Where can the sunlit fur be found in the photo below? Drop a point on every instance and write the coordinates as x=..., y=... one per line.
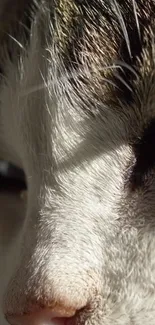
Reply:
x=77, y=93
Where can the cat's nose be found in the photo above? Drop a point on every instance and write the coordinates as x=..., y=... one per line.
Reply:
x=45, y=316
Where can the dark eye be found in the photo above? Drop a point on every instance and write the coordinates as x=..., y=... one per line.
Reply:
x=144, y=151
x=11, y=177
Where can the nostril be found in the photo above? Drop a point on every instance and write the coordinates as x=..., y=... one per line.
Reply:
x=46, y=316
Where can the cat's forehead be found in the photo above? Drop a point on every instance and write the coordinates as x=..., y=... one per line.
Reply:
x=113, y=40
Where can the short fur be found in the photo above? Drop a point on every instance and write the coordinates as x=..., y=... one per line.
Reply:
x=77, y=98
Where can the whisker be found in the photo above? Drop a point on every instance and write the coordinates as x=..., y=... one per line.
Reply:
x=17, y=42
x=110, y=82
x=113, y=66
x=124, y=82
x=119, y=65
x=136, y=17
x=126, y=65
x=33, y=90
x=123, y=26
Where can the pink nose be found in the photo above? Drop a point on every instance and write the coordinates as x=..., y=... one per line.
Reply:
x=46, y=316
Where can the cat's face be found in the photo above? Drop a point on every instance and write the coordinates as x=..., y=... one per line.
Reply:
x=82, y=90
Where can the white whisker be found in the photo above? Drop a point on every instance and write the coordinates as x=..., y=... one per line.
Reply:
x=126, y=65
x=17, y=42
x=110, y=82
x=136, y=17
x=33, y=90
x=123, y=26
x=123, y=82
x=119, y=66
